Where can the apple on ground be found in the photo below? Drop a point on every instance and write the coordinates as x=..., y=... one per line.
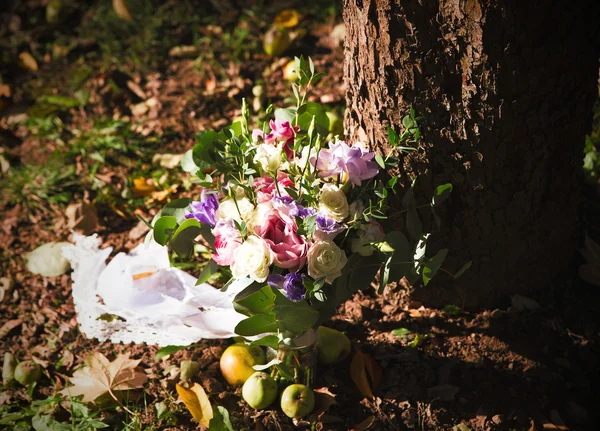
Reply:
x=260, y=390
x=297, y=401
x=237, y=361
x=332, y=345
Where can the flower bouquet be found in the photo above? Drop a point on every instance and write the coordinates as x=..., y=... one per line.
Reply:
x=297, y=221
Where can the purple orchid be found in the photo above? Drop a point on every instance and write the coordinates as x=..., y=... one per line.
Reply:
x=204, y=210
x=327, y=228
x=355, y=162
x=293, y=286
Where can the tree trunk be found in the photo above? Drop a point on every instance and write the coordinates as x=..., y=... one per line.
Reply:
x=506, y=88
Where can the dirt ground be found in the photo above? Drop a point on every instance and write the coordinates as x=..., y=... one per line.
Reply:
x=530, y=364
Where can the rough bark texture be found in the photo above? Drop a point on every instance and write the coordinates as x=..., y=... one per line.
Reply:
x=507, y=88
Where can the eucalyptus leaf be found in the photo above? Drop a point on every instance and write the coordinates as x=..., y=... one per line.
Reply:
x=251, y=301
x=442, y=193
x=255, y=325
x=182, y=242
x=164, y=228
x=433, y=265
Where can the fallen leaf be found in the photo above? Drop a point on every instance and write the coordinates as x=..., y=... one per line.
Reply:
x=82, y=217
x=196, y=401
x=461, y=427
x=364, y=425
x=287, y=18
x=28, y=61
x=47, y=260
x=169, y=161
x=323, y=400
x=9, y=326
x=365, y=373
x=143, y=187
x=121, y=10
x=100, y=377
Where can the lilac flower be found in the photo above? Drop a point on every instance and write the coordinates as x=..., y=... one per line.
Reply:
x=355, y=162
x=204, y=210
x=293, y=286
x=276, y=280
x=327, y=228
x=302, y=212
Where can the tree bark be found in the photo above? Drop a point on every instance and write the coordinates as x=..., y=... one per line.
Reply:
x=506, y=88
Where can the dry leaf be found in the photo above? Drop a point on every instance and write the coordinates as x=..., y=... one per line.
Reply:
x=323, y=400
x=121, y=10
x=28, y=61
x=365, y=373
x=101, y=377
x=82, y=217
x=196, y=400
x=143, y=187
x=287, y=18
x=9, y=326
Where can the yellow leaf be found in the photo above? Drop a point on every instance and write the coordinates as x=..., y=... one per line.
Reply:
x=121, y=10
x=143, y=187
x=101, y=376
x=197, y=402
x=28, y=61
x=365, y=373
x=287, y=18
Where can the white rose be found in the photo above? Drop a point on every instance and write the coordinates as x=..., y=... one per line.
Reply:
x=253, y=258
x=258, y=216
x=268, y=156
x=333, y=203
x=325, y=259
x=228, y=211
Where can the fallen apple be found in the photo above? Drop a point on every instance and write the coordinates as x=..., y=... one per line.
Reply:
x=260, y=390
x=332, y=345
x=27, y=372
x=276, y=41
x=297, y=401
x=237, y=361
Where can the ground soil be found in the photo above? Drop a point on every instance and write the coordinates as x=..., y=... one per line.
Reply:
x=507, y=368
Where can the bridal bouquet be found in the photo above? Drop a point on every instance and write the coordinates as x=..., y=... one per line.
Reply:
x=295, y=219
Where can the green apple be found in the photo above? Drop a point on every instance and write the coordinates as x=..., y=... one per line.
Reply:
x=276, y=41
x=237, y=361
x=260, y=390
x=27, y=372
x=297, y=401
x=332, y=345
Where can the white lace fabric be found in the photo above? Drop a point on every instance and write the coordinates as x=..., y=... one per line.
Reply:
x=156, y=304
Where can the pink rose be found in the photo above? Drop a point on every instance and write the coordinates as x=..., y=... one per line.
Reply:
x=227, y=240
x=266, y=189
x=289, y=249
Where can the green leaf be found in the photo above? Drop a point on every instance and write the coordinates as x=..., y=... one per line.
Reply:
x=384, y=274
x=182, y=242
x=267, y=341
x=442, y=193
x=176, y=208
x=433, y=265
x=401, y=332
x=255, y=325
x=379, y=160
x=451, y=310
x=187, y=163
x=306, y=113
x=393, y=137
x=220, y=420
x=285, y=114
x=164, y=229
x=208, y=271
x=203, y=150
x=464, y=269
x=166, y=351
x=295, y=318
x=48, y=423
x=408, y=122
x=251, y=301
